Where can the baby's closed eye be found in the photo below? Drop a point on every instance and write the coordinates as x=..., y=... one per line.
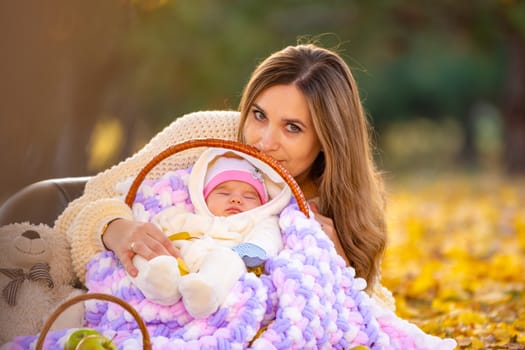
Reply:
x=250, y=195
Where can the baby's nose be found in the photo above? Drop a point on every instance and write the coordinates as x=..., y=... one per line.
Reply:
x=235, y=199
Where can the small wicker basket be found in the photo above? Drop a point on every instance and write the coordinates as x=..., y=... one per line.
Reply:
x=100, y=296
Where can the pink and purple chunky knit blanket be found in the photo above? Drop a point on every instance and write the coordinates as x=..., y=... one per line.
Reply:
x=306, y=299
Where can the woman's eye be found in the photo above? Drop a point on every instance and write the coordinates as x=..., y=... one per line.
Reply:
x=258, y=115
x=293, y=128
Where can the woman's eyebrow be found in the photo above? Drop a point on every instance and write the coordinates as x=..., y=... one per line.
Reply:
x=258, y=107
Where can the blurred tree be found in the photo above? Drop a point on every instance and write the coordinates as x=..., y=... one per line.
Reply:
x=58, y=61
x=512, y=19
x=445, y=58
x=68, y=64
x=493, y=26
x=200, y=54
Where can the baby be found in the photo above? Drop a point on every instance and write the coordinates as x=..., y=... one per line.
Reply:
x=235, y=226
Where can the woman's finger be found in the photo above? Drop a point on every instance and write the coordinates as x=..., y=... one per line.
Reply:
x=160, y=243
x=314, y=207
x=327, y=225
x=127, y=262
x=149, y=247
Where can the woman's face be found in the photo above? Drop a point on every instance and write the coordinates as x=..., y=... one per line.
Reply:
x=279, y=124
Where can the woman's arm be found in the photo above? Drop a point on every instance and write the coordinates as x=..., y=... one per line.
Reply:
x=85, y=218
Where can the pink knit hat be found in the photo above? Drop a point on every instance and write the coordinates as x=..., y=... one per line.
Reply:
x=227, y=169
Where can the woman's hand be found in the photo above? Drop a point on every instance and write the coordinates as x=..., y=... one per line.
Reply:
x=327, y=225
x=126, y=238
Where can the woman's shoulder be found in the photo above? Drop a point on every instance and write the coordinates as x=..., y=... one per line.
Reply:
x=199, y=125
x=216, y=120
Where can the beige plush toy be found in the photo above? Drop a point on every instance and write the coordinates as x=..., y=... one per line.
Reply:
x=36, y=276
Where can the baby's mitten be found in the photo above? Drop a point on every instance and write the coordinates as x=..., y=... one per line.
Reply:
x=251, y=254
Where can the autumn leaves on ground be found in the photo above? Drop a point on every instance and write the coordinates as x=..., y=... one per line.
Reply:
x=456, y=257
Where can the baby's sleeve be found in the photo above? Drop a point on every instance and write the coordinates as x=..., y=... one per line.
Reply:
x=267, y=235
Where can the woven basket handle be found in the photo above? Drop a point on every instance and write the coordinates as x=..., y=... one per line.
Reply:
x=233, y=145
x=146, y=342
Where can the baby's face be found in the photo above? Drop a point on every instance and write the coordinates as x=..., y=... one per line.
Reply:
x=232, y=197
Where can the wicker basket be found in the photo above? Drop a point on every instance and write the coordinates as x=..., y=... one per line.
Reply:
x=100, y=296
x=233, y=145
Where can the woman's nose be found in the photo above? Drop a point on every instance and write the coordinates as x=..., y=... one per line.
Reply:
x=267, y=142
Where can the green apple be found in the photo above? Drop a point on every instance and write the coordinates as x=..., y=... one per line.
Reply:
x=77, y=335
x=96, y=342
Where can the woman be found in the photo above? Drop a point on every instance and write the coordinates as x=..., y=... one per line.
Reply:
x=300, y=106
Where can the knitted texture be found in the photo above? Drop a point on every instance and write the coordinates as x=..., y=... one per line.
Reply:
x=84, y=245
x=81, y=221
x=307, y=299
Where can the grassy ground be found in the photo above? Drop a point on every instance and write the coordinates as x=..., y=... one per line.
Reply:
x=456, y=257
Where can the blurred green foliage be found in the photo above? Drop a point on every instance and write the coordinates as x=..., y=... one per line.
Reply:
x=449, y=73
x=412, y=60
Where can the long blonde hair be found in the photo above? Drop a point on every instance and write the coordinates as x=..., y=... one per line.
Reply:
x=349, y=187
